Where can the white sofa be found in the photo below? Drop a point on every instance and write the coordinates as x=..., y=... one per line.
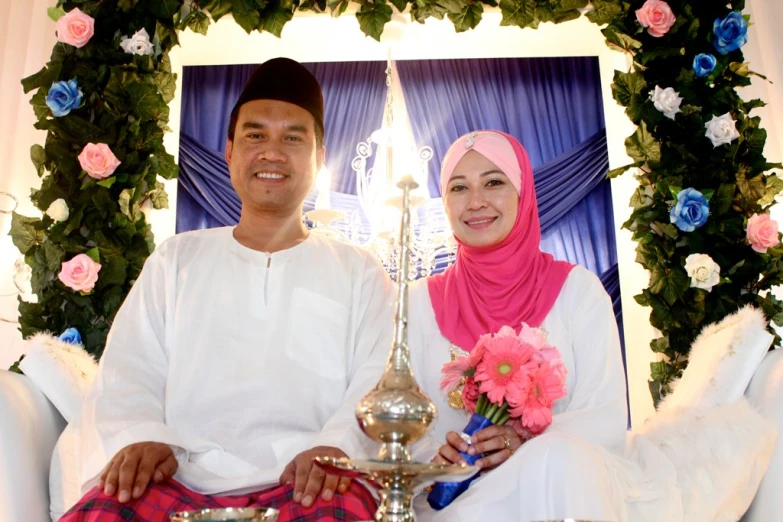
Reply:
x=30, y=427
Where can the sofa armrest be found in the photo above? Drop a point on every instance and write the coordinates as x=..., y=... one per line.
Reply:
x=765, y=392
x=29, y=428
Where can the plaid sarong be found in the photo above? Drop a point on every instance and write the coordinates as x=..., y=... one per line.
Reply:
x=159, y=501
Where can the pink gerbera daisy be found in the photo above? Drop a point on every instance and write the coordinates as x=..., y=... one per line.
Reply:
x=454, y=371
x=502, y=371
x=548, y=383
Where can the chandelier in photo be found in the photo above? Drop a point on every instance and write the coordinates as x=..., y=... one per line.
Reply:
x=389, y=154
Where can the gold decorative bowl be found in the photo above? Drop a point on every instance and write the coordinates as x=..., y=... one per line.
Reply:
x=227, y=515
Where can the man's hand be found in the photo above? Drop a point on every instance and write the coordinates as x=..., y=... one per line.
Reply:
x=309, y=479
x=133, y=467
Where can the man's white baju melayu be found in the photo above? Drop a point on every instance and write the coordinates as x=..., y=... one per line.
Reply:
x=240, y=359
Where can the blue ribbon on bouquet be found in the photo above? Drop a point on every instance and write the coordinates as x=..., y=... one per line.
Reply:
x=444, y=493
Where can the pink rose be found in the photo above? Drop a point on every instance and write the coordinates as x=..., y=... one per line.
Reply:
x=656, y=16
x=98, y=160
x=80, y=273
x=75, y=28
x=762, y=232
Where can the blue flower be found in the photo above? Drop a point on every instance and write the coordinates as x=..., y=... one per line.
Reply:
x=63, y=97
x=691, y=210
x=704, y=64
x=71, y=336
x=731, y=33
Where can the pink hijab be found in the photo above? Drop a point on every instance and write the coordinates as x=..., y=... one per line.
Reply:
x=503, y=284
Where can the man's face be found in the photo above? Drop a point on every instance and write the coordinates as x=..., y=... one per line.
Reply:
x=273, y=158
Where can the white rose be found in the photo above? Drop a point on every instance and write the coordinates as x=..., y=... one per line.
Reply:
x=139, y=43
x=721, y=130
x=666, y=100
x=58, y=210
x=703, y=271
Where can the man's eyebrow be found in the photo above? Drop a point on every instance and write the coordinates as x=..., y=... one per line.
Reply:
x=293, y=127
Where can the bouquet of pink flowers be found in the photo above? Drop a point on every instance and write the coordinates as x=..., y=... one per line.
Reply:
x=506, y=378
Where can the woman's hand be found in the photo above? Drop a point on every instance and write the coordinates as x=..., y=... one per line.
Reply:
x=498, y=443
x=449, y=452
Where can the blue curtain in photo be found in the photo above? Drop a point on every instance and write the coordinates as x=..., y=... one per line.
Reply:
x=552, y=105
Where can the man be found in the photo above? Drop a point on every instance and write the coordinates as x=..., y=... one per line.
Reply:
x=240, y=353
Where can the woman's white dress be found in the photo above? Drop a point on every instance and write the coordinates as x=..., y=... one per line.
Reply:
x=578, y=467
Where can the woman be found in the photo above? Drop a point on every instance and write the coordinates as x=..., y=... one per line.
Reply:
x=502, y=278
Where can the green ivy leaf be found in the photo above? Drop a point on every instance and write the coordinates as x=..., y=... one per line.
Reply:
x=165, y=9
x=337, y=7
x=127, y=207
x=145, y=102
x=625, y=85
x=55, y=13
x=113, y=272
x=658, y=371
x=773, y=187
x=604, y=11
x=38, y=156
x=158, y=196
x=25, y=232
x=94, y=254
x=275, y=19
x=39, y=79
x=53, y=256
x=216, y=8
x=246, y=14
x=372, y=17
x=670, y=283
x=620, y=41
x=111, y=299
x=521, y=13
x=723, y=199
x=642, y=146
x=620, y=170
x=660, y=344
x=198, y=22
x=399, y=4
x=468, y=18
x=108, y=182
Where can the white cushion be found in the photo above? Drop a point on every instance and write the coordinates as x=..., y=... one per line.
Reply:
x=719, y=455
x=721, y=362
x=62, y=371
x=64, y=487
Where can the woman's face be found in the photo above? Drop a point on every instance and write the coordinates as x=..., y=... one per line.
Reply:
x=480, y=201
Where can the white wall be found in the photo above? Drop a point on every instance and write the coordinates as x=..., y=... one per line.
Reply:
x=28, y=41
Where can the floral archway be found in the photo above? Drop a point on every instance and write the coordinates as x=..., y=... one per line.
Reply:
x=701, y=211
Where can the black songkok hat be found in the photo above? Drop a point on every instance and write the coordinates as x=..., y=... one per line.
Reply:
x=285, y=80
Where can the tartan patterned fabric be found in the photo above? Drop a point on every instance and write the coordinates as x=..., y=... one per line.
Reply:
x=159, y=501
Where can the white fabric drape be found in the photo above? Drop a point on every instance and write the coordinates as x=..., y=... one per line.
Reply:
x=27, y=37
